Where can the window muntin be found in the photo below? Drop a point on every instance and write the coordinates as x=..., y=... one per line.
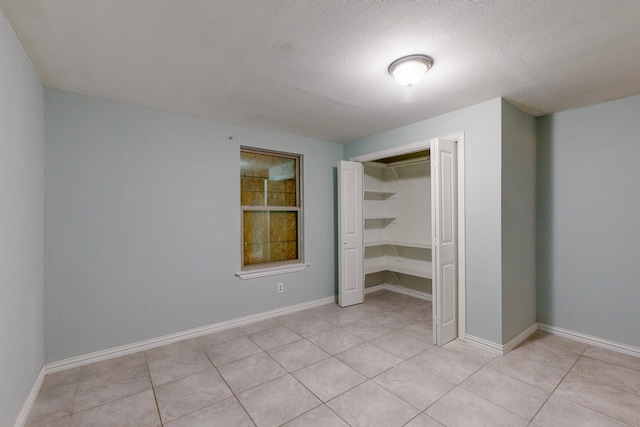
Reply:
x=270, y=199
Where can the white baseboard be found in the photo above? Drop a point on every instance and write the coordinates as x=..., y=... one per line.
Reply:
x=591, y=340
x=375, y=288
x=555, y=330
x=482, y=343
x=504, y=348
x=398, y=289
x=513, y=342
x=31, y=398
x=110, y=353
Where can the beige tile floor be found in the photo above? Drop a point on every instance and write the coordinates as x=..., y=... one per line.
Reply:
x=368, y=365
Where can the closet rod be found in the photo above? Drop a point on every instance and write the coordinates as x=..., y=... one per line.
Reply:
x=408, y=162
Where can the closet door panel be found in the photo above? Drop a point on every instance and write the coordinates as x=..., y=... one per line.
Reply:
x=445, y=240
x=350, y=231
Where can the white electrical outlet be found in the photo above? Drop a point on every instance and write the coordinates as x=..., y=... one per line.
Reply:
x=280, y=288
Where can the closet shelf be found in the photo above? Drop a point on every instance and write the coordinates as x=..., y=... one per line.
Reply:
x=378, y=195
x=397, y=243
x=397, y=268
x=393, y=230
x=380, y=218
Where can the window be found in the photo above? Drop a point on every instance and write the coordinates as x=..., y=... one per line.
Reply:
x=271, y=205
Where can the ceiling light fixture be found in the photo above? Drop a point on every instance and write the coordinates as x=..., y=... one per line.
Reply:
x=409, y=70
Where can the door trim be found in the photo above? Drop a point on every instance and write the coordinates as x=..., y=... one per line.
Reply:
x=394, y=151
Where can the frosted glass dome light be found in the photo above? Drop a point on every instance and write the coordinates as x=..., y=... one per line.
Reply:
x=409, y=70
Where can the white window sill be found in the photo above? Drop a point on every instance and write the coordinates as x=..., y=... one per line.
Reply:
x=261, y=272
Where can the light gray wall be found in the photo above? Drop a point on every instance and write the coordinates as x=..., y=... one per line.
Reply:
x=21, y=225
x=482, y=127
x=518, y=221
x=589, y=220
x=143, y=228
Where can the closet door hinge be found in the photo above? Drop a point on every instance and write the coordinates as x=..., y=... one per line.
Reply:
x=436, y=320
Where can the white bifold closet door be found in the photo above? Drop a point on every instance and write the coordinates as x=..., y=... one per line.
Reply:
x=444, y=229
x=350, y=233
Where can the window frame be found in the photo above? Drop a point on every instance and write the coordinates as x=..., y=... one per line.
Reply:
x=276, y=267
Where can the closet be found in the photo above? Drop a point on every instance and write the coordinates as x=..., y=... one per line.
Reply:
x=397, y=222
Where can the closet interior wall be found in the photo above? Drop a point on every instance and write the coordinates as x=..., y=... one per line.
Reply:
x=397, y=230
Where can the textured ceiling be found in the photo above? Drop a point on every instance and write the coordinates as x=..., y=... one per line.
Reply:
x=319, y=68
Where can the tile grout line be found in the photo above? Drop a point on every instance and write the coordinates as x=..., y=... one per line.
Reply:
x=558, y=385
x=408, y=361
x=211, y=404
x=75, y=395
x=581, y=355
x=233, y=393
x=605, y=384
x=367, y=379
x=200, y=345
x=468, y=391
x=111, y=401
x=485, y=365
x=595, y=410
x=153, y=388
x=609, y=362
